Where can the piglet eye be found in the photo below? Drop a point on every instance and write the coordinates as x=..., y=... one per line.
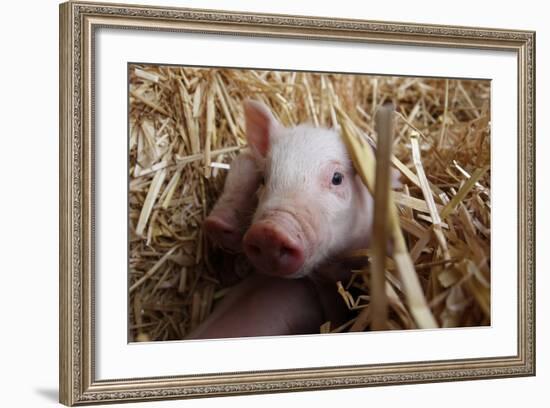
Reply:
x=337, y=178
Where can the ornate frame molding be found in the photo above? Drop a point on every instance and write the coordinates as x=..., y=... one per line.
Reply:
x=77, y=24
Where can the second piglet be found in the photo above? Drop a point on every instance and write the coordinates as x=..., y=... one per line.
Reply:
x=230, y=216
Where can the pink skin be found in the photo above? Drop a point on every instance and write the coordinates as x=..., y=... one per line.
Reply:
x=274, y=246
x=304, y=217
x=303, y=223
x=231, y=215
x=263, y=306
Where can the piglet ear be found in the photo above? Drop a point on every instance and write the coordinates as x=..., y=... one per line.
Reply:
x=260, y=126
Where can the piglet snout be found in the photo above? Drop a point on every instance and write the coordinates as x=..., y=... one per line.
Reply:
x=273, y=250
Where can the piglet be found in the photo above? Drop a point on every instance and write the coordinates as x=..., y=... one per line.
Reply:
x=231, y=215
x=312, y=209
x=263, y=305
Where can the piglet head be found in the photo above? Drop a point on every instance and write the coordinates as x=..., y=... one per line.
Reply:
x=312, y=205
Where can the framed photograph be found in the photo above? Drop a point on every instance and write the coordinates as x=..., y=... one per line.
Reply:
x=256, y=203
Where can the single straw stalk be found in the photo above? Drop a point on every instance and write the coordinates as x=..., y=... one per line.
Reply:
x=384, y=129
x=465, y=189
x=445, y=112
x=152, y=194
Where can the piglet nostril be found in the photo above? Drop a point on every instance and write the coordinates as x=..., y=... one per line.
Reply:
x=287, y=251
x=228, y=232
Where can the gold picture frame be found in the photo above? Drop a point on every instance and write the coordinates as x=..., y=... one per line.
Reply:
x=78, y=21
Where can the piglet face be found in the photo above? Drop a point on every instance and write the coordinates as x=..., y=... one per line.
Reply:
x=312, y=205
x=231, y=215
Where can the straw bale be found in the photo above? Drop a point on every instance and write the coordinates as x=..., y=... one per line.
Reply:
x=186, y=125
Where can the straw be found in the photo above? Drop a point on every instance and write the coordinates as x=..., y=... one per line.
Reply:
x=186, y=125
x=384, y=129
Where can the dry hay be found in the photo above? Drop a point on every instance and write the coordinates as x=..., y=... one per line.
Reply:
x=183, y=119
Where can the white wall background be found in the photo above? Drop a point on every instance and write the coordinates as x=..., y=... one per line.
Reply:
x=29, y=194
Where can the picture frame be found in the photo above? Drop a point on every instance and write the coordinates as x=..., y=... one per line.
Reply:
x=79, y=24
